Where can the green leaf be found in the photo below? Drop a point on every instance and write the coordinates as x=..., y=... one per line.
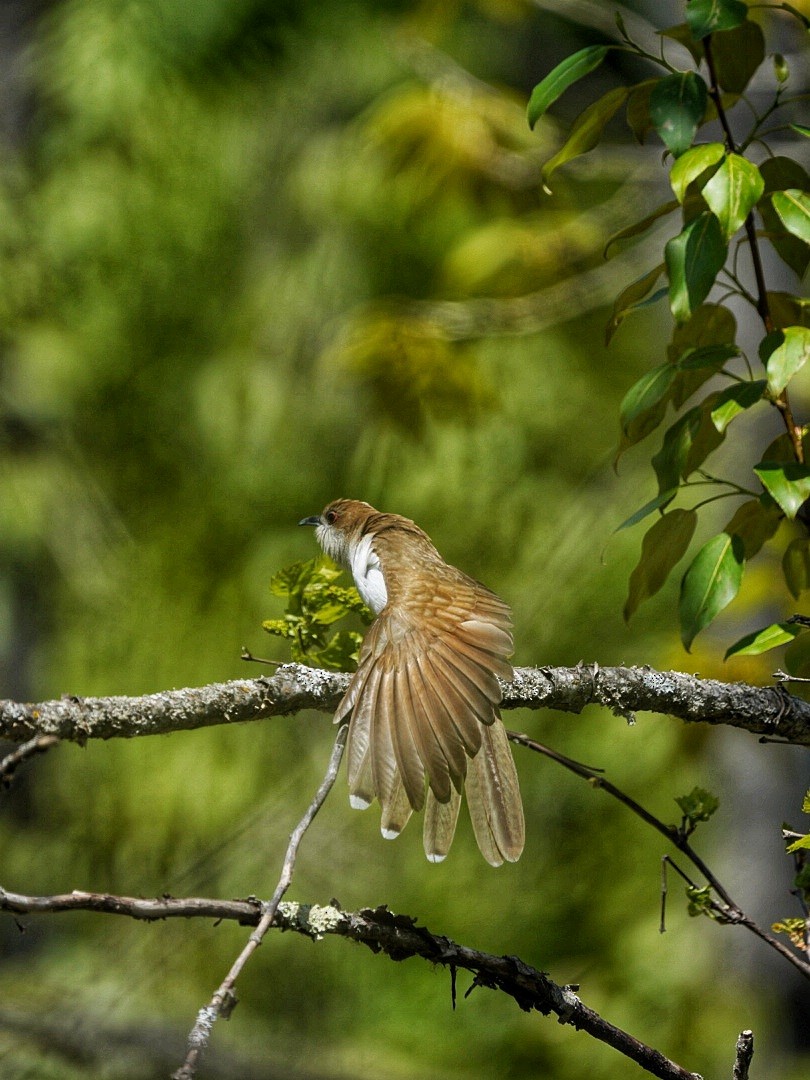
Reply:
x=710, y=325
x=683, y=35
x=670, y=461
x=793, y=208
x=663, y=546
x=788, y=310
x=648, y=391
x=796, y=566
x=709, y=356
x=704, y=17
x=755, y=521
x=641, y=226
x=565, y=74
x=733, y=192
x=788, y=351
x=802, y=129
x=698, y=805
x=677, y=104
x=693, y=260
x=648, y=508
x=638, y=109
x=734, y=400
x=691, y=164
x=629, y=299
x=787, y=482
x=760, y=641
x=737, y=54
x=781, y=71
x=783, y=174
x=710, y=584
x=586, y=130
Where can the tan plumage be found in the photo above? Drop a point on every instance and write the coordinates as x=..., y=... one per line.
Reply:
x=423, y=703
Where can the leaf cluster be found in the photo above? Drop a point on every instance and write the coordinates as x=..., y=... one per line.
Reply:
x=720, y=192
x=315, y=601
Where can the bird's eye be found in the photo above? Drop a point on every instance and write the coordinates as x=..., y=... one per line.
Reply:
x=331, y=517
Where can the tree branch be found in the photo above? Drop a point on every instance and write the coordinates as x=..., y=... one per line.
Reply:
x=762, y=710
x=397, y=936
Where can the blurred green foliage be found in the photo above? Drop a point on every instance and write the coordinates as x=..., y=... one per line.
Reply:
x=219, y=223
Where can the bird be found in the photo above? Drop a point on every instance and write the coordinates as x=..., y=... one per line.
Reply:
x=422, y=706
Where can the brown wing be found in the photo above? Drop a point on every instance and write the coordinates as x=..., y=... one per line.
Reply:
x=422, y=702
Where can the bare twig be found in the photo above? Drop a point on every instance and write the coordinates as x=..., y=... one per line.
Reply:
x=624, y=690
x=726, y=908
x=224, y=1000
x=11, y=762
x=745, y=1051
x=397, y=936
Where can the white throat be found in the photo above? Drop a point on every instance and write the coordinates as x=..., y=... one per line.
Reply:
x=368, y=577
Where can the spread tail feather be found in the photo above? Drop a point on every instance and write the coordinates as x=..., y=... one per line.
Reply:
x=493, y=798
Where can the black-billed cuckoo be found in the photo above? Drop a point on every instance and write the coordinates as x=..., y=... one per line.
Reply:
x=423, y=703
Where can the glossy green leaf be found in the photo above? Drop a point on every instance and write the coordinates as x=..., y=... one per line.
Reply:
x=660, y=500
x=629, y=299
x=693, y=261
x=705, y=17
x=787, y=482
x=710, y=584
x=638, y=109
x=677, y=105
x=755, y=522
x=708, y=356
x=737, y=54
x=641, y=226
x=734, y=400
x=783, y=174
x=790, y=354
x=780, y=68
x=796, y=566
x=662, y=548
x=648, y=391
x=733, y=192
x=763, y=640
x=565, y=74
x=793, y=208
x=802, y=129
x=587, y=129
x=691, y=164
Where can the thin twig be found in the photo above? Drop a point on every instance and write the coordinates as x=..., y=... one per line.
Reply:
x=744, y=1053
x=224, y=1000
x=11, y=762
x=727, y=908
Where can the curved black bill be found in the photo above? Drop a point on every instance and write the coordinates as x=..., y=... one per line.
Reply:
x=316, y=520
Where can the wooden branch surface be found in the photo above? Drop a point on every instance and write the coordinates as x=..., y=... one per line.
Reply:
x=762, y=710
x=397, y=936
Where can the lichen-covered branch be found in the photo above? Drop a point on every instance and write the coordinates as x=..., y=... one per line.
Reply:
x=762, y=710
x=397, y=936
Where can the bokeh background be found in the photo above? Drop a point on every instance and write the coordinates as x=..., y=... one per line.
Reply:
x=254, y=255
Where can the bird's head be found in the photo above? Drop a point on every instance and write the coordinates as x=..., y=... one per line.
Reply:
x=340, y=526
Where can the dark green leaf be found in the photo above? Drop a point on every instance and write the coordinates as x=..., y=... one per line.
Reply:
x=587, y=129
x=796, y=566
x=709, y=356
x=755, y=522
x=629, y=298
x=710, y=584
x=705, y=17
x=641, y=226
x=693, y=260
x=663, y=546
x=793, y=208
x=648, y=508
x=670, y=461
x=788, y=310
x=638, y=109
x=734, y=400
x=797, y=656
x=733, y=191
x=677, y=104
x=781, y=69
x=650, y=389
x=737, y=55
x=710, y=325
x=787, y=482
x=760, y=641
x=783, y=174
x=691, y=164
x=788, y=351
x=683, y=35
x=561, y=77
